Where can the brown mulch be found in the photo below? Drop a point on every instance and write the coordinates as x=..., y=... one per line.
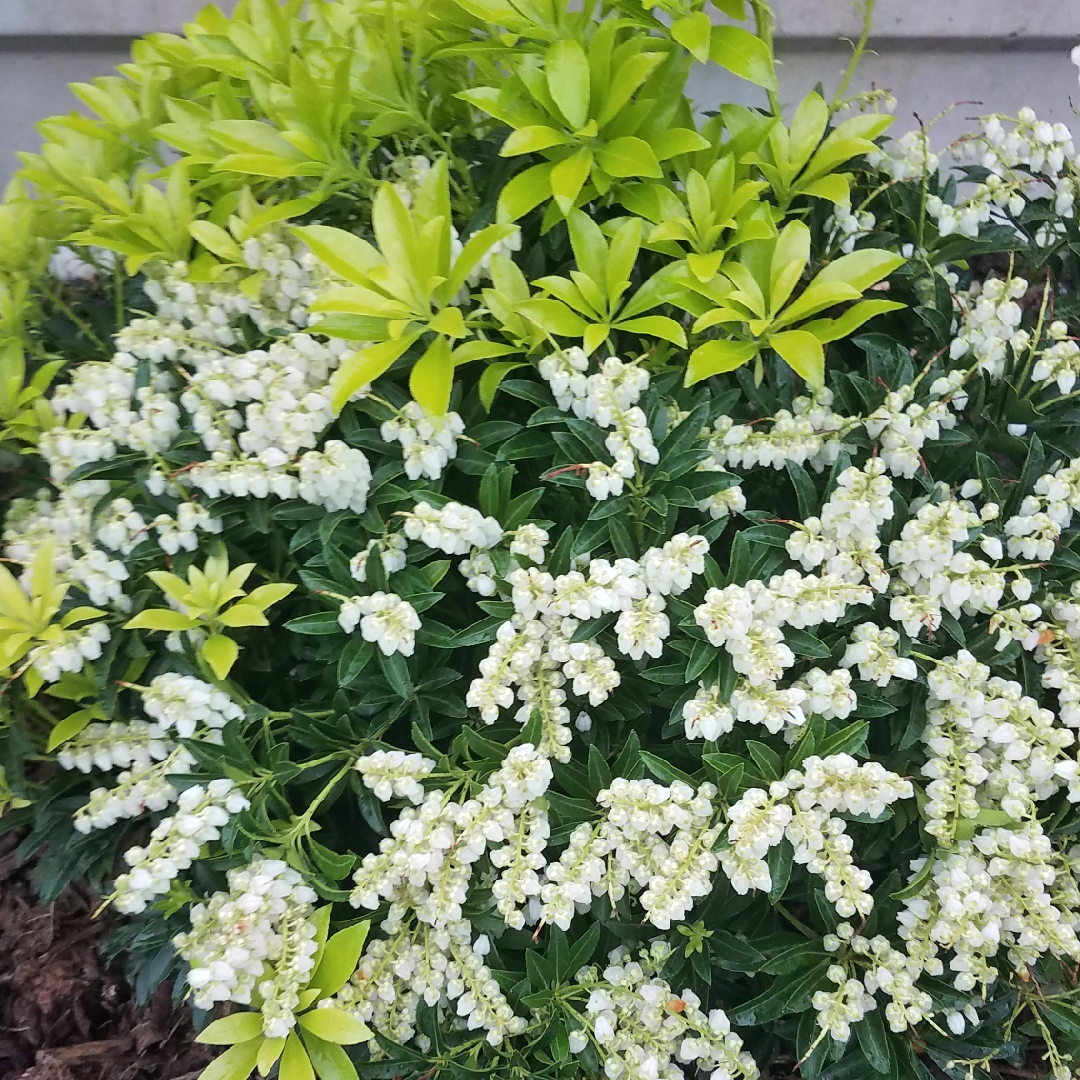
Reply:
x=64, y=1015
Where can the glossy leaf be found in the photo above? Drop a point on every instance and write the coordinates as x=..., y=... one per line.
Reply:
x=240, y=1027
x=432, y=377
x=220, y=652
x=295, y=1063
x=716, y=357
x=236, y=1063
x=335, y=1025
x=568, y=81
x=161, y=619
x=803, y=354
x=743, y=54
x=339, y=959
x=329, y=1060
x=694, y=33
x=628, y=156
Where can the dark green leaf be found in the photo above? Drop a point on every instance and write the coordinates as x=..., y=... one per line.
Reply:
x=665, y=772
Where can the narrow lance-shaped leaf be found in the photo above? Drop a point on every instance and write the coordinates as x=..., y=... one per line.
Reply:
x=567, y=69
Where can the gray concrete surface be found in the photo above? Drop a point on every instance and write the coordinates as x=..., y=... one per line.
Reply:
x=931, y=53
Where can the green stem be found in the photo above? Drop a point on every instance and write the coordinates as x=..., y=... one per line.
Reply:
x=797, y=923
x=763, y=19
x=118, y=294
x=81, y=323
x=1036, y=337
x=856, y=54
x=925, y=187
x=1056, y=401
x=321, y=761
x=300, y=826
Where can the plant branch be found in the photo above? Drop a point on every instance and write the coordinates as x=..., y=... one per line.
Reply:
x=859, y=48
x=763, y=20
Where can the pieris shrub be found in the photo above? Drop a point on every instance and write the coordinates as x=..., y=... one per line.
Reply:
x=507, y=574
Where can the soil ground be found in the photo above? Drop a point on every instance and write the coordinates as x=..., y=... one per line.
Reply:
x=63, y=1014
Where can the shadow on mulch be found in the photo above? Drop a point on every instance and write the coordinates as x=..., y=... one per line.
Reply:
x=63, y=1014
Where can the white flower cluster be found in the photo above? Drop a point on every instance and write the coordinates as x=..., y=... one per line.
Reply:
x=1034, y=531
x=1017, y=154
x=144, y=787
x=65, y=449
x=283, y=389
x=121, y=528
x=424, y=868
x=101, y=578
x=907, y=158
x=660, y=837
x=902, y=427
x=442, y=967
x=989, y=747
x=263, y=921
x=1057, y=652
x=746, y=621
x=384, y=619
x=1029, y=144
x=480, y=572
x=70, y=268
x=800, y=808
x=934, y=576
x=990, y=324
x=392, y=552
x=974, y=212
x=426, y=863
x=288, y=285
x=181, y=532
x=337, y=477
x=428, y=442
x=644, y=1031
x=529, y=541
x=720, y=504
x=609, y=398
x=390, y=773
x=1059, y=362
x=885, y=969
x=134, y=745
x=820, y=693
x=254, y=410
x=873, y=650
x=201, y=814
x=186, y=704
x=846, y=1005
x=846, y=536
x=811, y=434
x=535, y=651
x=849, y=227
x=67, y=523
x=69, y=651
x=453, y=529
x=1003, y=888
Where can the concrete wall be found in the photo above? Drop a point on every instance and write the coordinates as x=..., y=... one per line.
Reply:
x=977, y=55
x=995, y=55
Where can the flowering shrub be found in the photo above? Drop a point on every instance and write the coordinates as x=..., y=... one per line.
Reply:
x=507, y=577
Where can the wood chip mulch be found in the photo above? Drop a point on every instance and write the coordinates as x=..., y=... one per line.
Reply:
x=64, y=1015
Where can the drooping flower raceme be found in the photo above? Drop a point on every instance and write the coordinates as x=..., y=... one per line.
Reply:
x=256, y=938
x=201, y=814
x=384, y=619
